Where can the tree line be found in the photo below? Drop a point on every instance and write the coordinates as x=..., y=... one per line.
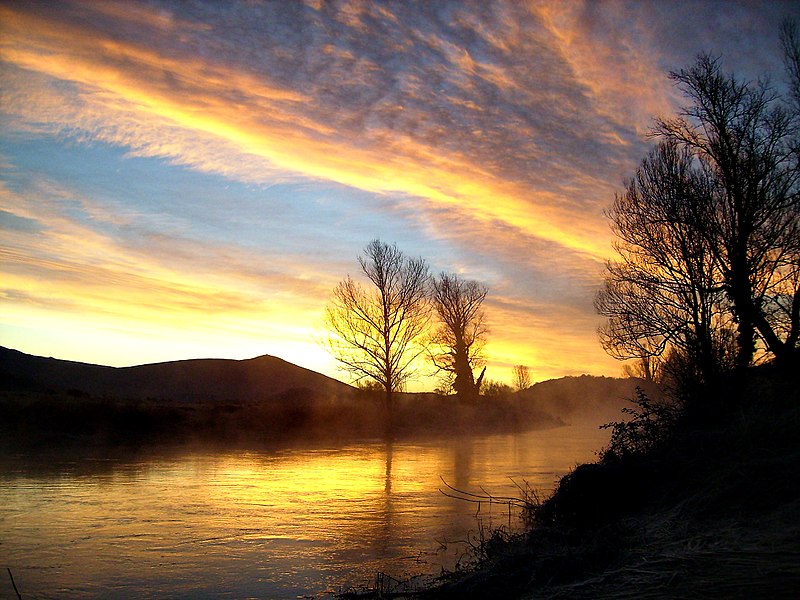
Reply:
x=707, y=274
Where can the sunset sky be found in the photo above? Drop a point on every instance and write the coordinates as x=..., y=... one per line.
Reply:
x=191, y=179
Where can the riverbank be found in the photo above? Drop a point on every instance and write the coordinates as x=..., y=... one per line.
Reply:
x=261, y=402
x=46, y=420
x=711, y=510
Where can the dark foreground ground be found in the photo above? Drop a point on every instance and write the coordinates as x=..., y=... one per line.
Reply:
x=711, y=510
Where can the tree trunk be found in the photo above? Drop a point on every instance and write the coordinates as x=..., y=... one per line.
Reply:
x=740, y=292
x=480, y=381
x=464, y=383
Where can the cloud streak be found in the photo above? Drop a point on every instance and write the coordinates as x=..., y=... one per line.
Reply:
x=429, y=150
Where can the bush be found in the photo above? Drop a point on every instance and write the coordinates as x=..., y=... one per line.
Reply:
x=650, y=424
x=496, y=390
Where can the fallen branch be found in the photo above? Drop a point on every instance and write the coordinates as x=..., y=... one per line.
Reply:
x=529, y=500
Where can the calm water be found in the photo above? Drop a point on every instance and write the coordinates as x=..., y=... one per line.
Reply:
x=283, y=524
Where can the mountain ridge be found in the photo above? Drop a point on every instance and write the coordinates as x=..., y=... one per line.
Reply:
x=269, y=378
x=203, y=379
x=45, y=401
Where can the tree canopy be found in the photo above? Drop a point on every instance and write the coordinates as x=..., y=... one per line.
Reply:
x=458, y=340
x=709, y=227
x=376, y=330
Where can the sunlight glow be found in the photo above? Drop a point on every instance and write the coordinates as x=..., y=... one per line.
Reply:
x=85, y=273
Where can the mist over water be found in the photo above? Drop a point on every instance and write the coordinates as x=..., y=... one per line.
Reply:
x=278, y=524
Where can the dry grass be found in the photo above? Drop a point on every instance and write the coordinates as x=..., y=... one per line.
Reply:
x=726, y=559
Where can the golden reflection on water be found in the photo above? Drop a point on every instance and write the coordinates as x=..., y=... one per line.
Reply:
x=254, y=524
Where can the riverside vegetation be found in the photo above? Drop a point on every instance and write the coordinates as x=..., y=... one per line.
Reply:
x=694, y=499
x=63, y=418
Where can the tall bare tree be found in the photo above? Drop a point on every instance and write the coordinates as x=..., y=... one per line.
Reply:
x=376, y=330
x=522, y=377
x=664, y=290
x=790, y=42
x=744, y=136
x=459, y=339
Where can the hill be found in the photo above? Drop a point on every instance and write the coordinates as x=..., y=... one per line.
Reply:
x=200, y=380
x=574, y=399
x=46, y=401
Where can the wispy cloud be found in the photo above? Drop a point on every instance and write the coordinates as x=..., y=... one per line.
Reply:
x=400, y=125
x=75, y=253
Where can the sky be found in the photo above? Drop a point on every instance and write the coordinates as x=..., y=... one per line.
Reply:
x=192, y=179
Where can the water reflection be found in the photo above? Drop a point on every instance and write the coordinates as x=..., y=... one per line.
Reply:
x=276, y=524
x=388, y=486
x=462, y=462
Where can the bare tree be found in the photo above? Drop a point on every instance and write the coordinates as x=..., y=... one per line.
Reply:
x=459, y=339
x=744, y=137
x=664, y=290
x=522, y=377
x=790, y=42
x=646, y=367
x=376, y=331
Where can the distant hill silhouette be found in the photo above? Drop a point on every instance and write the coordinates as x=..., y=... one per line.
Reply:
x=200, y=380
x=576, y=398
x=45, y=402
x=264, y=377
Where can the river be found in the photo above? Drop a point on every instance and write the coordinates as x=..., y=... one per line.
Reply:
x=280, y=524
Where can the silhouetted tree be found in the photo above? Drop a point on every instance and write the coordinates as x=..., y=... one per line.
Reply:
x=645, y=367
x=496, y=390
x=744, y=138
x=458, y=340
x=664, y=290
x=522, y=377
x=376, y=330
x=680, y=369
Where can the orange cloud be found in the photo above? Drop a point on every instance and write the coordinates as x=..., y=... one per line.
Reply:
x=268, y=123
x=612, y=67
